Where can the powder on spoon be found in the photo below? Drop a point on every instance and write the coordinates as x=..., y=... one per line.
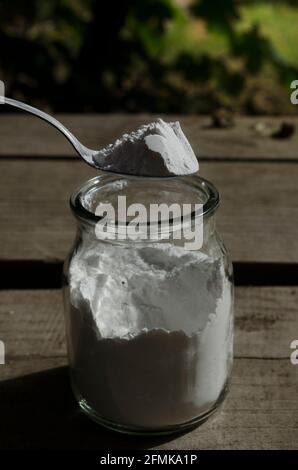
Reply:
x=156, y=149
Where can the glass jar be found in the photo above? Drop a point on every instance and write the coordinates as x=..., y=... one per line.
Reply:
x=149, y=321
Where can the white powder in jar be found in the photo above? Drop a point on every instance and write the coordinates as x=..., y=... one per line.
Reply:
x=151, y=332
x=155, y=149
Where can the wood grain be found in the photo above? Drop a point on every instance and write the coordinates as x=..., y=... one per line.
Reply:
x=23, y=135
x=32, y=323
x=261, y=411
x=258, y=217
x=266, y=321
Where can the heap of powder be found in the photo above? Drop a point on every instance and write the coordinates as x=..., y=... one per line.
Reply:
x=156, y=149
x=151, y=332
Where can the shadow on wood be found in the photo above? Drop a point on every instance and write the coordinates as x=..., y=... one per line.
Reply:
x=38, y=411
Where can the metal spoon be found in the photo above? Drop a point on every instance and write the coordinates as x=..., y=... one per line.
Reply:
x=92, y=157
x=86, y=153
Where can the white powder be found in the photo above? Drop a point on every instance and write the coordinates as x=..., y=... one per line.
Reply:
x=156, y=149
x=151, y=332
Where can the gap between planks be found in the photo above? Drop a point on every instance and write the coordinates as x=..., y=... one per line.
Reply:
x=34, y=274
x=201, y=158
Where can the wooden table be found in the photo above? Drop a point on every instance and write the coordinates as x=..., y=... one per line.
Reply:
x=258, y=181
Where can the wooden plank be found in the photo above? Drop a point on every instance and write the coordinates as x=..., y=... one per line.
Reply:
x=258, y=218
x=261, y=411
x=32, y=324
x=26, y=366
x=23, y=135
x=266, y=321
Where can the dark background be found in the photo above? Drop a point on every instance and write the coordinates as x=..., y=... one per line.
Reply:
x=188, y=56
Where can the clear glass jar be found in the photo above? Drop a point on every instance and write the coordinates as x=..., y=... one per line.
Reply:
x=149, y=322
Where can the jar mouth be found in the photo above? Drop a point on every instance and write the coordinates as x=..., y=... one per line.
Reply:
x=100, y=189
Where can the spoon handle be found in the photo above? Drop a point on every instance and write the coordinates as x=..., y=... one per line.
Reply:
x=80, y=148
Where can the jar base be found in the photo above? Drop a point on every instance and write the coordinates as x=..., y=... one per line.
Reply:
x=139, y=431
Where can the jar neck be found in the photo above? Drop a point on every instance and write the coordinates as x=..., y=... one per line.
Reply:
x=209, y=226
x=158, y=209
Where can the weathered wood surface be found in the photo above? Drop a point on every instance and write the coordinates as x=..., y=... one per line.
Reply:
x=261, y=410
x=258, y=217
x=23, y=135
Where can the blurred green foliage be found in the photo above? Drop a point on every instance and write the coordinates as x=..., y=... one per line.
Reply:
x=150, y=55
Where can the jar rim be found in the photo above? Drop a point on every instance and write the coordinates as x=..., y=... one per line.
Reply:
x=81, y=212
